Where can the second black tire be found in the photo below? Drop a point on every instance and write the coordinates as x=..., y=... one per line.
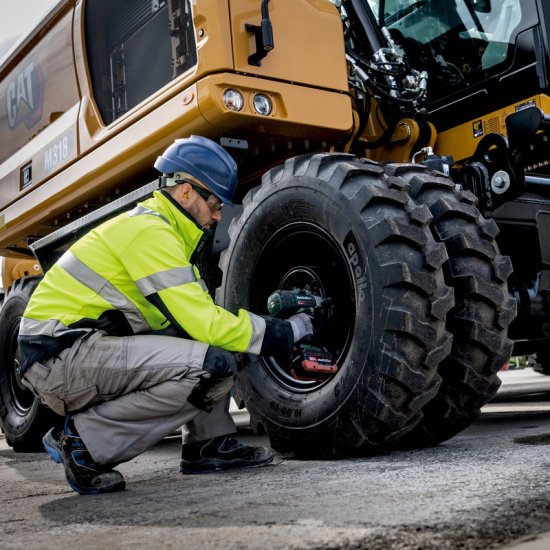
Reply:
x=483, y=310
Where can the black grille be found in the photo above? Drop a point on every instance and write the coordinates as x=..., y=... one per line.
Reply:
x=134, y=48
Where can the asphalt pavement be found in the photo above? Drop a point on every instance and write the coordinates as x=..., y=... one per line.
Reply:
x=488, y=487
x=523, y=391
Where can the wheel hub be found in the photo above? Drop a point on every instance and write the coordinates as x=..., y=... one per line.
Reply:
x=305, y=278
x=303, y=255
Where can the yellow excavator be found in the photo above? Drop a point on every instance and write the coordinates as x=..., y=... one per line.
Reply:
x=393, y=160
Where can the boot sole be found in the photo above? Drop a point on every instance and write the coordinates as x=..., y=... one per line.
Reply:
x=209, y=466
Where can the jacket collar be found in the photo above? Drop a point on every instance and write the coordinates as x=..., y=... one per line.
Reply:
x=186, y=226
x=178, y=207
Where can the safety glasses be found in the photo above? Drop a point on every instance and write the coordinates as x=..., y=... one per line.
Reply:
x=211, y=201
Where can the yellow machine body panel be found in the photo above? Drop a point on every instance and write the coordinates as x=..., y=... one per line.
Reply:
x=89, y=143
x=462, y=140
x=40, y=92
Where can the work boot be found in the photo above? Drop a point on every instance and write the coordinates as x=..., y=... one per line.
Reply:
x=83, y=475
x=221, y=453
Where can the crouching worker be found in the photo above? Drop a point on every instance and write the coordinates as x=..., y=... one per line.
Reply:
x=122, y=337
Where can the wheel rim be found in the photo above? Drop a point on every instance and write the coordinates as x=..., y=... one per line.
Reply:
x=303, y=255
x=22, y=397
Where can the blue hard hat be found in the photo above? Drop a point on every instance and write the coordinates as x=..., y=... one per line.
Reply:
x=206, y=161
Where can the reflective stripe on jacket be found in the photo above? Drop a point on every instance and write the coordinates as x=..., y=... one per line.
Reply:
x=130, y=275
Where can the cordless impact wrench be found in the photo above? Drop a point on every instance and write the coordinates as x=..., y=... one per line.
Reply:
x=308, y=361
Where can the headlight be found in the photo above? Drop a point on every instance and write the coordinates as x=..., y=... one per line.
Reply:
x=262, y=104
x=233, y=100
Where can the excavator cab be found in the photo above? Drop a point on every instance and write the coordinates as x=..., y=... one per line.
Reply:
x=480, y=55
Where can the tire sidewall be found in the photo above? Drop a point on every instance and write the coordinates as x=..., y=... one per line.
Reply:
x=307, y=200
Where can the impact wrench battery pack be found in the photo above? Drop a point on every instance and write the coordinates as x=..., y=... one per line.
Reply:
x=312, y=363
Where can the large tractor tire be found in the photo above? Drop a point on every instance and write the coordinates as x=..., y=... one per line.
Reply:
x=24, y=420
x=343, y=229
x=483, y=307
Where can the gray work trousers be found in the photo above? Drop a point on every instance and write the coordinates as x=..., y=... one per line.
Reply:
x=127, y=393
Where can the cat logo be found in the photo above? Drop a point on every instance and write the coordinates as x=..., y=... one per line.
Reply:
x=477, y=128
x=25, y=97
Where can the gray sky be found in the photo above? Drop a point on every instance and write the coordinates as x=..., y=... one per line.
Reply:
x=18, y=17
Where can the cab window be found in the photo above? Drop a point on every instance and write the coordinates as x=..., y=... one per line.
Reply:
x=459, y=42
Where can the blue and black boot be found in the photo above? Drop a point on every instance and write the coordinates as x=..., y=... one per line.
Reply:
x=83, y=475
x=221, y=453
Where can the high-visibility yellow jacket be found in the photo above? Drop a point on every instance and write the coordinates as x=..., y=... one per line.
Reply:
x=133, y=274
